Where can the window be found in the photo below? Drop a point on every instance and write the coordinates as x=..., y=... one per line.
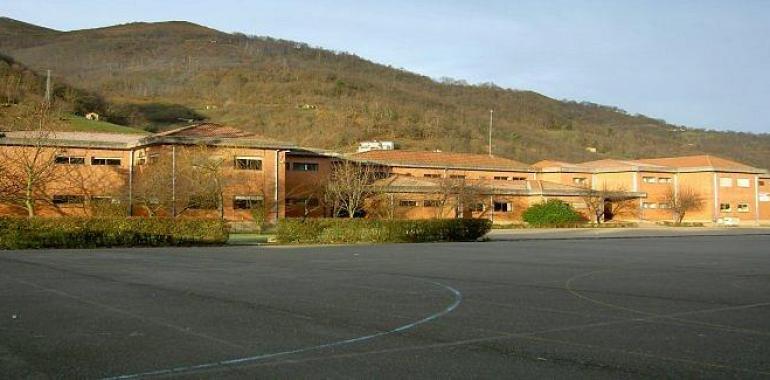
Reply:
x=664, y=180
x=743, y=207
x=407, y=203
x=304, y=167
x=501, y=178
x=154, y=157
x=104, y=200
x=725, y=182
x=430, y=175
x=68, y=199
x=141, y=160
x=248, y=163
x=105, y=161
x=761, y=183
x=309, y=202
x=431, y=203
x=457, y=176
x=579, y=180
x=247, y=202
x=664, y=205
x=649, y=205
x=502, y=207
x=381, y=175
x=478, y=207
x=725, y=207
x=743, y=182
x=203, y=202
x=518, y=178
x=649, y=180
x=66, y=160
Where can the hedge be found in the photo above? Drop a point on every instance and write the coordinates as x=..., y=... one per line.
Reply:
x=326, y=231
x=552, y=213
x=74, y=232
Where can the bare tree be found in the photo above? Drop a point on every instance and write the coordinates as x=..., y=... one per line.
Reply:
x=152, y=190
x=458, y=193
x=350, y=185
x=194, y=179
x=309, y=196
x=203, y=178
x=606, y=201
x=29, y=169
x=683, y=201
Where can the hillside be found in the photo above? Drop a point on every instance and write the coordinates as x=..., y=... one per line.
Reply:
x=156, y=74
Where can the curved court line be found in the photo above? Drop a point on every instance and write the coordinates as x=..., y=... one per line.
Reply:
x=571, y=290
x=232, y=362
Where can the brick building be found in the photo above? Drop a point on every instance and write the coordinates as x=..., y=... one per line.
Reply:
x=137, y=174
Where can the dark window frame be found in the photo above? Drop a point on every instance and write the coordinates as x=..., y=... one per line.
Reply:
x=247, y=163
x=202, y=202
x=247, y=202
x=501, y=206
x=304, y=166
x=70, y=160
x=68, y=199
x=106, y=161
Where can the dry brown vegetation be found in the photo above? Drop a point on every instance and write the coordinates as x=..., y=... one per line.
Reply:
x=155, y=74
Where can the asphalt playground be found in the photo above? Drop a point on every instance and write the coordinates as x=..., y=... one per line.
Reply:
x=676, y=307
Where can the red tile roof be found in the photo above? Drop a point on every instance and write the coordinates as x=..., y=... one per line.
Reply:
x=406, y=184
x=204, y=130
x=697, y=161
x=552, y=163
x=614, y=163
x=441, y=160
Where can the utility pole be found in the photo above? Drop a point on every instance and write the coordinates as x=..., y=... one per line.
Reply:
x=48, y=87
x=490, y=132
x=173, y=181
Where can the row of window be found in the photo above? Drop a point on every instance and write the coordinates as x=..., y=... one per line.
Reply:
x=302, y=166
x=75, y=160
x=647, y=179
x=740, y=207
x=740, y=182
x=650, y=205
x=476, y=207
x=460, y=176
x=69, y=199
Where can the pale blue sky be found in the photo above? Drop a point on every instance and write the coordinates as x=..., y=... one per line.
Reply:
x=698, y=63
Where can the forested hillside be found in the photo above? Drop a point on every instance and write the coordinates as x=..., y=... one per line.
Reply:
x=152, y=75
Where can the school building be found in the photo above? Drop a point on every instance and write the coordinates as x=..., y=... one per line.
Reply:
x=160, y=174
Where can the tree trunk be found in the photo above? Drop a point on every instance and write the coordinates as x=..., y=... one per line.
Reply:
x=29, y=201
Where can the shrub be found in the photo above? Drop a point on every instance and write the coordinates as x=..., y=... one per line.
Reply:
x=73, y=232
x=552, y=213
x=327, y=231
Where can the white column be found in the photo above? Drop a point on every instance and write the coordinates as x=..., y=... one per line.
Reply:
x=716, y=198
x=756, y=198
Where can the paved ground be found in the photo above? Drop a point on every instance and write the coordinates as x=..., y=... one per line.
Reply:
x=620, y=233
x=694, y=307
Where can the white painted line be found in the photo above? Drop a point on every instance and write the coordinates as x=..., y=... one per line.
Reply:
x=232, y=362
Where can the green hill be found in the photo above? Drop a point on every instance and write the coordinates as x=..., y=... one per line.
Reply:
x=155, y=74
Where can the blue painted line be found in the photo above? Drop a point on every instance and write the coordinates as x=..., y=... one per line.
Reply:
x=232, y=362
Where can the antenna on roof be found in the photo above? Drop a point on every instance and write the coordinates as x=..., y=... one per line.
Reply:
x=490, y=132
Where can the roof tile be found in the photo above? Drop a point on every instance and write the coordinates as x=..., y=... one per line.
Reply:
x=441, y=159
